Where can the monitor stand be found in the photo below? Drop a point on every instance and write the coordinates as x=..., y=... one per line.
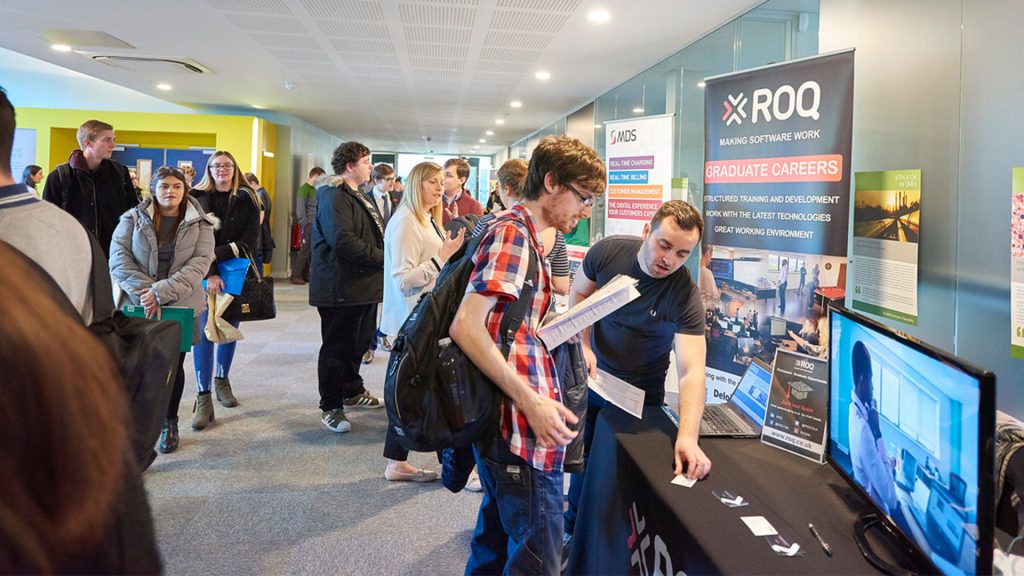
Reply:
x=860, y=529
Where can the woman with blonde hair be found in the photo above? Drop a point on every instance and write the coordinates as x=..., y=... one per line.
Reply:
x=160, y=253
x=415, y=250
x=223, y=193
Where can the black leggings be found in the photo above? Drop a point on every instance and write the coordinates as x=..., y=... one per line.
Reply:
x=179, y=388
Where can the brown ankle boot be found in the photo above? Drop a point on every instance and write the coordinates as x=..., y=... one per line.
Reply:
x=204, y=411
x=222, y=388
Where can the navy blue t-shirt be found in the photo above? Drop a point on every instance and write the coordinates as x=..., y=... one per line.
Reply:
x=633, y=343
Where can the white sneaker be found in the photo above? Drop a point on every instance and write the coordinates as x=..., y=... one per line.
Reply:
x=335, y=420
x=473, y=484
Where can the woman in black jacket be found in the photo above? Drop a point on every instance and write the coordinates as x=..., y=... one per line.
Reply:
x=222, y=193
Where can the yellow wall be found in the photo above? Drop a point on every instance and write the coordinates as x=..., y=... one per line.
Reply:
x=55, y=132
x=246, y=137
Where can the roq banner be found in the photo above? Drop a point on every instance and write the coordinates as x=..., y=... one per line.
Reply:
x=638, y=155
x=776, y=209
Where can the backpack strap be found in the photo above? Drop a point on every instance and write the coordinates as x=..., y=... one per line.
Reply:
x=102, y=289
x=64, y=175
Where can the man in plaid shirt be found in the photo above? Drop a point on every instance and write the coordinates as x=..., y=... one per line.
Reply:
x=519, y=527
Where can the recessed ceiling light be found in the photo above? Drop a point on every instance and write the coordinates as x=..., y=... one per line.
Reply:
x=482, y=140
x=257, y=106
x=515, y=104
x=598, y=126
x=701, y=84
x=61, y=47
x=163, y=86
x=490, y=132
x=638, y=110
x=476, y=147
x=599, y=16
x=499, y=121
x=542, y=75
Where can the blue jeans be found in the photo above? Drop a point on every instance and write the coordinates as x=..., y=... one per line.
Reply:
x=519, y=527
x=203, y=356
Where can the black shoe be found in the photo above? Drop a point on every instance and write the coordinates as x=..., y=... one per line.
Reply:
x=169, y=436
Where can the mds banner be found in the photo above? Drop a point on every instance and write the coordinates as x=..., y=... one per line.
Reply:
x=638, y=154
x=776, y=209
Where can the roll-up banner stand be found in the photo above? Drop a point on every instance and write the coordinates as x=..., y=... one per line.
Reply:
x=638, y=154
x=776, y=208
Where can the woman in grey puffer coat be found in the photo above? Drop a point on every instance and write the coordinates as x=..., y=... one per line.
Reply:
x=160, y=252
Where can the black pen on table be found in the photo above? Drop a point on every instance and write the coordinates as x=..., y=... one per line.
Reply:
x=824, y=545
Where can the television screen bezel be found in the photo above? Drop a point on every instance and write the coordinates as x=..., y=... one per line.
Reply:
x=986, y=439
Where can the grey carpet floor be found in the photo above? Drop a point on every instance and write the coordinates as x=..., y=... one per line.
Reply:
x=269, y=490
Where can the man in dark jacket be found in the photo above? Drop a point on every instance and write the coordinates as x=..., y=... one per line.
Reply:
x=346, y=283
x=265, y=250
x=90, y=186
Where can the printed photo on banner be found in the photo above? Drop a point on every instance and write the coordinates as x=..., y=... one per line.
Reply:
x=1017, y=265
x=758, y=301
x=776, y=205
x=886, y=229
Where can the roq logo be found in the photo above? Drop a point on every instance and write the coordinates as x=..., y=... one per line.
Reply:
x=623, y=136
x=778, y=105
x=804, y=364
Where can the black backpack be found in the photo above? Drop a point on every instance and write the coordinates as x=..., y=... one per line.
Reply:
x=435, y=396
x=145, y=352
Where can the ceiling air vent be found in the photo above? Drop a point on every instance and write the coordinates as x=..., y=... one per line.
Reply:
x=153, y=65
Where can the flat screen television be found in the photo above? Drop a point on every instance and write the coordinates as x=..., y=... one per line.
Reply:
x=912, y=429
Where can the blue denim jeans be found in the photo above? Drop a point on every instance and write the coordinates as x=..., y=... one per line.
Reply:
x=519, y=527
x=203, y=357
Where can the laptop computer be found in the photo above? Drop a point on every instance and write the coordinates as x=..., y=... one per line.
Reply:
x=743, y=415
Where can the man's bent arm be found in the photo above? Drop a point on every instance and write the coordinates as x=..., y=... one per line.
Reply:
x=690, y=353
x=545, y=416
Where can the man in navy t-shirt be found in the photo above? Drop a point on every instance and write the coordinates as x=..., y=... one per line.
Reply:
x=633, y=343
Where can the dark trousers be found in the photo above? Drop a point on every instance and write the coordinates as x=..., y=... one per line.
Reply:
x=594, y=405
x=179, y=388
x=393, y=450
x=782, y=296
x=346, y=332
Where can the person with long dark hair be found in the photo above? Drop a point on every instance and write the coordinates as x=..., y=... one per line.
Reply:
x=160, y=253
x=31, y=176
x=223, y=193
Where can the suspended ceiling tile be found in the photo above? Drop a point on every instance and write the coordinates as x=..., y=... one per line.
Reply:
x=437, y=35
x=528, y=21
x=258, y=23
x=354, y=10
x=252, y=6
x=437, y=15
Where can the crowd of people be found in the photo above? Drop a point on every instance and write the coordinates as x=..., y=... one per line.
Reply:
x=367, y=255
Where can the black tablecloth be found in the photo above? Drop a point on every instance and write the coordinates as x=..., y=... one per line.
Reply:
x=632, y=520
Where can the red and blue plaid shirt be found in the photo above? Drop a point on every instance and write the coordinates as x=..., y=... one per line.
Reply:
x=501, y=265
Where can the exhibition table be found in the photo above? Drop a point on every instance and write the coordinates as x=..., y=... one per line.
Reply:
x=633, y=520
